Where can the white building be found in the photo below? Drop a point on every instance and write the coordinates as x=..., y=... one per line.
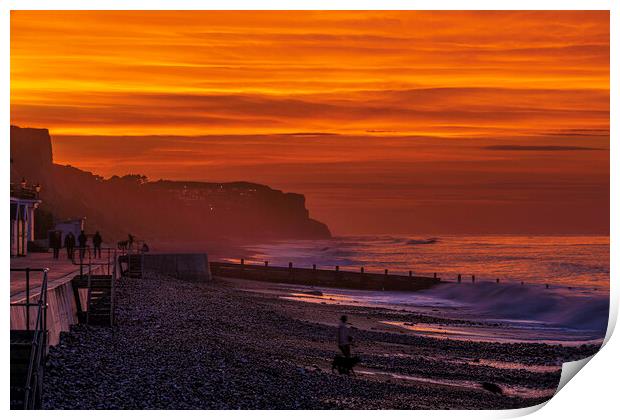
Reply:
x=23, y=202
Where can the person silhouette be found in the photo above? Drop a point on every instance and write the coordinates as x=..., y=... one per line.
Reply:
x=70, y=245
x=56, y=243
x=344, y=337
x=97, y=240
x=82, y=244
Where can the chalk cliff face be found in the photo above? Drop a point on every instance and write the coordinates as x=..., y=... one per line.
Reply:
x=168, y=211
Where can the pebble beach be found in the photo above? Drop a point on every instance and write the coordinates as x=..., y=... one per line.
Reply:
x=227, y=345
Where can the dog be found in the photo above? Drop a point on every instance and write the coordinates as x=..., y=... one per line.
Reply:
x=344, y=365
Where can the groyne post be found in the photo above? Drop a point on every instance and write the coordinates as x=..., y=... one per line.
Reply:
x=266, y=263
x=459, y=278
x=410, y=273
x=473, y=278
x=434, y=275
x=242, y=264
x=496, y=280
x=361, y=280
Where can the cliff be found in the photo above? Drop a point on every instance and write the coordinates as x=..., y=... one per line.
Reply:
x=162, y=210
x=31, y=154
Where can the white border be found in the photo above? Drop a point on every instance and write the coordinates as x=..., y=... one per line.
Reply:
x=592, y=395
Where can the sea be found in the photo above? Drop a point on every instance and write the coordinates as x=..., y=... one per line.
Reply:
x=552, y=288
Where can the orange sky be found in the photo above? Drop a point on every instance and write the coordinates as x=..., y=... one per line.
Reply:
x=422, y=121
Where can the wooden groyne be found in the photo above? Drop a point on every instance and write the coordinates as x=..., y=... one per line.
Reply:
x=326, y=278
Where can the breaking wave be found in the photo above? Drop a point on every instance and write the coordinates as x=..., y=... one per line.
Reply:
x=575, y=309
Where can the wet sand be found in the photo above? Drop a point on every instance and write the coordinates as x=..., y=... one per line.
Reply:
x=231, y=344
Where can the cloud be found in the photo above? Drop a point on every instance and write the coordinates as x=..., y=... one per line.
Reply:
x=410, y=111
x=190, y=73
x=538, y=148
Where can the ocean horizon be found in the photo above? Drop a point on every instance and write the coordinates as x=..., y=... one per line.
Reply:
x=576, y=261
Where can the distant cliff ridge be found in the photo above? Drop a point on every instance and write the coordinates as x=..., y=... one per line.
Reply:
x=31, y=153
x=161, y=210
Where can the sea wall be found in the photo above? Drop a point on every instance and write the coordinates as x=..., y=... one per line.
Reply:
x=193, y=267
x=61, y=311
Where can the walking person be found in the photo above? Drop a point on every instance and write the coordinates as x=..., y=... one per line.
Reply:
x=344, y=337
x=56, y=243
x=97, y=240
x=82, y=244
x=70, y=245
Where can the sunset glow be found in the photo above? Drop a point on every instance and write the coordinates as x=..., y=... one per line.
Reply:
x=188, y=73
x=410, y=118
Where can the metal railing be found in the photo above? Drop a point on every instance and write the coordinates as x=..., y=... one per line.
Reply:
x=39, y=337
x=88, y=251
x=25, y=191
x=113, y=292
x=126, y=257
x=87, y=256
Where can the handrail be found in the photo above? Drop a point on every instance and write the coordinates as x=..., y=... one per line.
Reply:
x=136, y=245
x=39, y=337
x=126, y=257
x=90, y=250
x=87, y=251
x=90, y=272
x=113, y=291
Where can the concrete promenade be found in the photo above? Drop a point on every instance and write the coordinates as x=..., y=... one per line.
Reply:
x=61, y=271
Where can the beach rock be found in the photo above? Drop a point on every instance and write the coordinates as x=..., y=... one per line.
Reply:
x=491, y=387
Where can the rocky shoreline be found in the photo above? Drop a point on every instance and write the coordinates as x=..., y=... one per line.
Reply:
x=181, y=345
